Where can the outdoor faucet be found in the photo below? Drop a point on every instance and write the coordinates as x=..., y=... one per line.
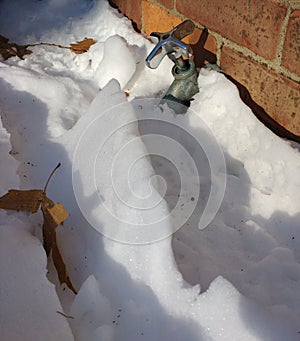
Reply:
x=185, y=84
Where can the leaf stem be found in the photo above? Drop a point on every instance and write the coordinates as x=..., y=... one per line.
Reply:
x=50, y=44
x=50, y=176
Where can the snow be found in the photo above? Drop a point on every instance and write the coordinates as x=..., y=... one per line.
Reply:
x=8, y=165
x=180, y=227
x=110, y=64
x=25, y=290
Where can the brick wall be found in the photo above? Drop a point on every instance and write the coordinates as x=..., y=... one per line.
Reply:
x=256, y=43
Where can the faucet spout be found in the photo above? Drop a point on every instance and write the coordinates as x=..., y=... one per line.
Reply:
x=185, y=84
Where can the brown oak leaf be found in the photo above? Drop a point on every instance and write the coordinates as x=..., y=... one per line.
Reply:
x=20, y=200
x=82, y=46
x=8, y=49
x=53, y=214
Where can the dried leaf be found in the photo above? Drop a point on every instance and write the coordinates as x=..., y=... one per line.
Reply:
x=8, y=49
x=48, y=226
x=82, y=46
x=61, y=268
x=19, y=200
x=54, y=215
x=58, y=213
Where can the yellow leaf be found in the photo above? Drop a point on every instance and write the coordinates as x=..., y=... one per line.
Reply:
x=58, y=213
x=82, y=46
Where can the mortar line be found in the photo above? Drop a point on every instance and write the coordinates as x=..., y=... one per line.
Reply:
x=282, y=36
x=143, y=22
x=270, y=64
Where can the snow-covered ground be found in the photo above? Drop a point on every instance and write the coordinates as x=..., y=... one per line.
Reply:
x=143, y=268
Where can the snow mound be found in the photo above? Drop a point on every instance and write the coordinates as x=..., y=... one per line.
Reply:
x=120, y=66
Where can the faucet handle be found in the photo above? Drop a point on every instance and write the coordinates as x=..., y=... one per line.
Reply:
x=170, y=44
x=184, y=29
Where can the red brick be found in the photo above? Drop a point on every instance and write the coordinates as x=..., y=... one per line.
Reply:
x=167, y=3
x=132, y=9
x=278, y=95
x=156, y=19
x=255, y=24
x=291, y=49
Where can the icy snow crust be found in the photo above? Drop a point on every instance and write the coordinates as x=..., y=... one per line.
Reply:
x=238, y=279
